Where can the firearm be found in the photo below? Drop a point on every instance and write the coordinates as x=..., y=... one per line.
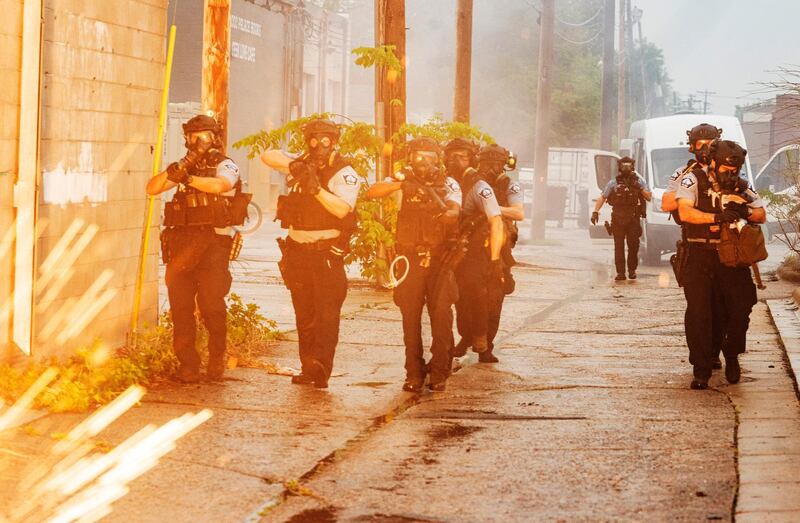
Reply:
x=456, y=251
x=427, y=192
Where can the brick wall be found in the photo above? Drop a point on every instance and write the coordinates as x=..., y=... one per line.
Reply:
x=103, y=69
x=10, y=57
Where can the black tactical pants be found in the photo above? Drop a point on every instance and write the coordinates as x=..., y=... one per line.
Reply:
x=629, y=231
x=197, y=276
x=707, y=281
x=480, y=301
x=435, y=289
x=317, y=282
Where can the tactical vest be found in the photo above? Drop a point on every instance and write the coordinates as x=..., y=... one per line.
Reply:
x=303, y=212
x=624, y=201
x=416, y=225
x=706, y=203
x=191, y=207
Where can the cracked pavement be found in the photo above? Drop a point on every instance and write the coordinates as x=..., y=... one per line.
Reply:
x=588, y=416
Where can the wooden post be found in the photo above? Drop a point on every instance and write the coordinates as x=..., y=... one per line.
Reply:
x=393, y=84
x=463, y=61
x=621, y=65
x=27, y=180
x=607, y=107
x=216, y=60
x=541, y=140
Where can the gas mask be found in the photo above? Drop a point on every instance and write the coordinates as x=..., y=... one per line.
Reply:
x=702, y=151
x=728, y=158
x=425, y=165
x=457, y=162
x=491, y=170
x=202, y=142
x=320, y=148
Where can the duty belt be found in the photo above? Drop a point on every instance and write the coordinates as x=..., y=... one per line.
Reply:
x=319, y=245
x=708, y=244
x=703, y=240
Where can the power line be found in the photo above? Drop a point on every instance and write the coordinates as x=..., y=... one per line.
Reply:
x=575, y=42
x=581, y=24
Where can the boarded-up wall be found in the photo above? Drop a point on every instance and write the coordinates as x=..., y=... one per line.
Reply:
x=103, y=66
x=10, y=59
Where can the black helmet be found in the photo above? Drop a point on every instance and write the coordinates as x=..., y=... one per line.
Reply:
x=728, y=152
x=423, y=143
x=461, y=143
x=493, y=152
x=321, y=126
x=704, y=131
x=201, y=122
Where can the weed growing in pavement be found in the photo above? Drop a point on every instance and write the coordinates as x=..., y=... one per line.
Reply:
x=96, y=375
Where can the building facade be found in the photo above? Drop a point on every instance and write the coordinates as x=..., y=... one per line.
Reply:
x=94, y=120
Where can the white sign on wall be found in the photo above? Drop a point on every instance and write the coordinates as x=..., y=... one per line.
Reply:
x=246, y=26
x=243, y=52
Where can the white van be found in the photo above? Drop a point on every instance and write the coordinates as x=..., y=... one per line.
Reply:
x=658, y=145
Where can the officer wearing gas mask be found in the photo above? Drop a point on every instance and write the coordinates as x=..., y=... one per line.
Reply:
x=708, y=200
x=625, y=194
x=428, y=215
x=318, y=212
x=700, y=138
x=197, y=242
x=460, y=154
x=481, y=274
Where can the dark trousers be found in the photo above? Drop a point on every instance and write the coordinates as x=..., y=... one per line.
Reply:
x=480, y=301
x=717, y=297
x=423, y=288
x=198, y=274
x=626, y=231
x=318, y=284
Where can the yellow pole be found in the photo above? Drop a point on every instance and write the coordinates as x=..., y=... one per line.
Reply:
x=162, y=123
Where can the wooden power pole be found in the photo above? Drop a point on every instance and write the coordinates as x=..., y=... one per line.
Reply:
x=392, y=85
x=463, y=61
x=622, y=60
x=541, y=140
x=216, y=60
x=607, y=108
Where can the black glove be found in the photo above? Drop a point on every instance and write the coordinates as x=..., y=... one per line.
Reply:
x=298, y=169
x=726, y=216
x=740, y=209
x=178, y=171
x=595, y=218
x=496, y=272
x=309, y=184
x=410, y=188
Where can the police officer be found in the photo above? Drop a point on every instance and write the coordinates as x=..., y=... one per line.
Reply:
x=707, y=201
x=481, y=273
x=625, y=194
x=700, y=137
x=319, y=213
x=428, y=213
x=497, y=163
x=197, y=242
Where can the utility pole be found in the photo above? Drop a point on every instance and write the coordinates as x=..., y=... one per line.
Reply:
x=216, y=61
x=463, y=61
x=637, y=18
x=607, y=109
x=705, y=95
x=391, y=15
x=541, y=140
x=621, y=63
x=635, y=107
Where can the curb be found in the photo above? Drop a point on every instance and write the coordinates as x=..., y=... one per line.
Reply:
x=785, y=315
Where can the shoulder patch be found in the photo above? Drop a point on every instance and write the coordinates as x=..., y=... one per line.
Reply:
x=688, y=181
x=350, y=179
x=677, y=174
x=514, y=188
x=486, y=193
x=452, y=185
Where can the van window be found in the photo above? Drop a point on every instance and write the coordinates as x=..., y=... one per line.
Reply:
x=782, y=172
x=666, y=162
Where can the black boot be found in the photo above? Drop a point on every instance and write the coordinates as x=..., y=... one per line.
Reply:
x=461, y=348
x=487, y=357
x=716, y=364
x=733, y=372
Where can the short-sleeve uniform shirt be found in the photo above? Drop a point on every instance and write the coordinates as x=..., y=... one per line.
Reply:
x=481, y=200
